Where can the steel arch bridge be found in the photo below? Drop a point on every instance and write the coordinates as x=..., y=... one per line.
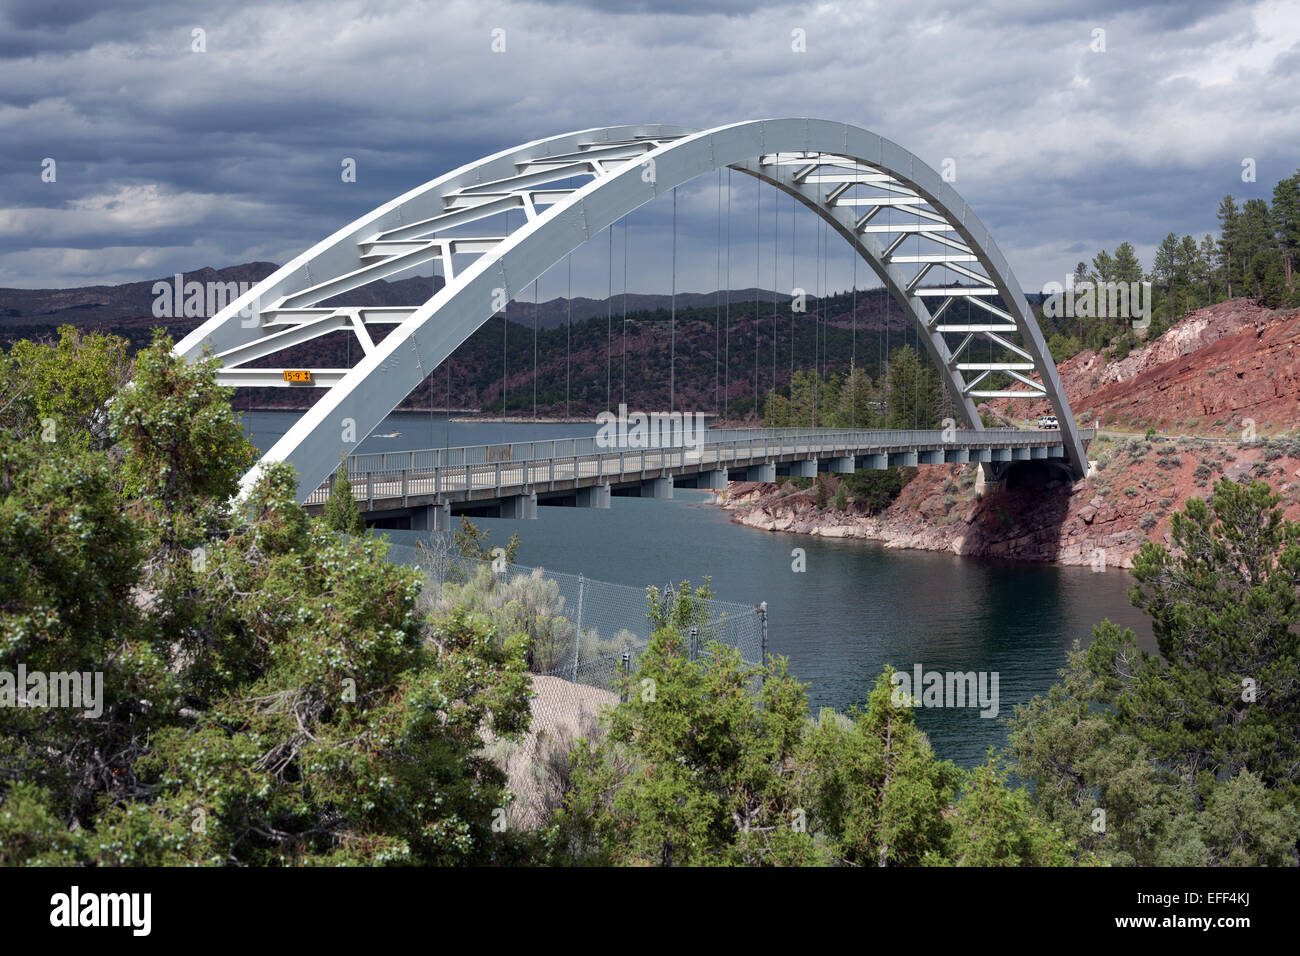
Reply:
x=847, y=175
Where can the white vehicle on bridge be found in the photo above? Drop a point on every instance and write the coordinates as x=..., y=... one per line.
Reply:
x=1048, y=421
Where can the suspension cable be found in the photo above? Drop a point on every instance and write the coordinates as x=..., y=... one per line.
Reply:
x=853, y=362
x=817, y=319
x=776, y=280
x=624, y=399
x=717, y=312
x=535, y=310
x=609, y=325
x=726, y=389
x=672, y=320
x=758, y=252
x=568, y=340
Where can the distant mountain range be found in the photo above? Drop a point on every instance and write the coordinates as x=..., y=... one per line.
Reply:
x=579, y=368
x=104, y=306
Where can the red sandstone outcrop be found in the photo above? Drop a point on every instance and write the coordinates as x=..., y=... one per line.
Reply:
x=1218, y=366
x=1204, y=377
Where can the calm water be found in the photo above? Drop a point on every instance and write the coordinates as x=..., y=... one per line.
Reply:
x=857, y=607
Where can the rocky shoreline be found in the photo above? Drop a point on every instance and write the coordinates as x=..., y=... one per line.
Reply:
x=1101, y=521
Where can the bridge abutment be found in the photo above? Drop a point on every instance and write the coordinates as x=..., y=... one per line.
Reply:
x=991, y=477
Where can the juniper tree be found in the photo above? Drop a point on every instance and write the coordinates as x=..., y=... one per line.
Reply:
x=341, y=512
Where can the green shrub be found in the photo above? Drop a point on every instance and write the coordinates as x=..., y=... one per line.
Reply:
x=876, y=490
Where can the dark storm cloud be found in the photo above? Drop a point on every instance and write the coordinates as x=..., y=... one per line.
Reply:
x=170, y=159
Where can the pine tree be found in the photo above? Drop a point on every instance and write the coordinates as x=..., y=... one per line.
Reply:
x=913, y=390
x=1164, y=269
x=1187, y=270
x=1205, y=267
x=1229, y=220
x=1103, y=265
x=1256, y=242
x=1286, y=223
x=1127, y=266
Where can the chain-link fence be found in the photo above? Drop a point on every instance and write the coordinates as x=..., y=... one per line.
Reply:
x=584, y=635
x=580, y=630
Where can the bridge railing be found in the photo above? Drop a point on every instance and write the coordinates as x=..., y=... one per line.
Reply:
x=764, y=441
x=430, y=471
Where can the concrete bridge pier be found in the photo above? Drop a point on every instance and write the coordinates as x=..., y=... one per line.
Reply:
x=520, y=507
x=804, y=469
x=763, y=472
x=658, y=488
x=930, y=456
x=903, y=459
x=712, y=480
x=597, y=496
x=841, y=466
x=873, y=462
x=431, y=518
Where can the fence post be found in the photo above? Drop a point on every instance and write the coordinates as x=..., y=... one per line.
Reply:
x=695, y=642
x=577, y=637
x=626, y=664
x=762, y=618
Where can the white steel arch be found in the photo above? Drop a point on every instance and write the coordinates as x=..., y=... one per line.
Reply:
x=846, y=174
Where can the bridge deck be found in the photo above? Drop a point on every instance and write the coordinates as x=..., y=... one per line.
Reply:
x=478, y=475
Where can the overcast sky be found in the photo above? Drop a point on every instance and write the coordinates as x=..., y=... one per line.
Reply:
x=170, y=160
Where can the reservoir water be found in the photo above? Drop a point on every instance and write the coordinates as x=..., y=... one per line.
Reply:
x=857, y=607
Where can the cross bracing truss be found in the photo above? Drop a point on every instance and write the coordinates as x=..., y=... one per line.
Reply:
x=930, y=251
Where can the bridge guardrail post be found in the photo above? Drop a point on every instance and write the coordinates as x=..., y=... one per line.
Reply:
x=762, y=620
x=405, y=492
